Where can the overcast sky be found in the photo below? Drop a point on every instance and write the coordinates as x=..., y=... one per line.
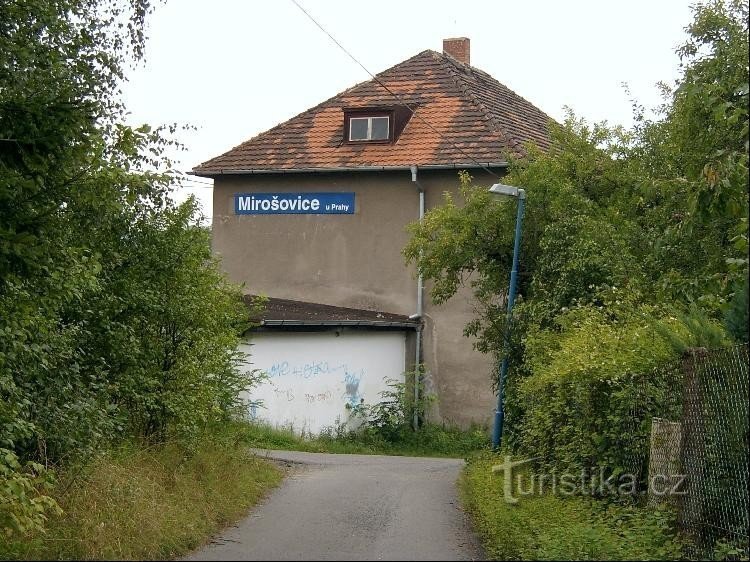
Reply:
x=234, y=68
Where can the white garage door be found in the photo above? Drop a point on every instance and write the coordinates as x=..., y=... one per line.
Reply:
x=313, y=376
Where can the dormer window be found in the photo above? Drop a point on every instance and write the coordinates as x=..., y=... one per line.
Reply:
x=371, y=125
x=371, y=128
x=375, y=125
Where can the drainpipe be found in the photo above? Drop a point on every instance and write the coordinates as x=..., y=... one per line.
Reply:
x=420, y=307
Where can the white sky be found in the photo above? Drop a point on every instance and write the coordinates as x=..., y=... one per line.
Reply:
x=234, y=68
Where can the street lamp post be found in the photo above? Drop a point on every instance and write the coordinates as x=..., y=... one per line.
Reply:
x=501, y=190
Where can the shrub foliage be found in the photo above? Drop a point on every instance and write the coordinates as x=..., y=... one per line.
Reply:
x=114, y=318
x=634, y=246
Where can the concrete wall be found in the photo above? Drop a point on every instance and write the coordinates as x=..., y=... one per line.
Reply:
x=314, y=376
x=355, y=261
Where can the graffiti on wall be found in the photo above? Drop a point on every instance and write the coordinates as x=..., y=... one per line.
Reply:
x=313, y=381
x=308, y=384
x=350, y=379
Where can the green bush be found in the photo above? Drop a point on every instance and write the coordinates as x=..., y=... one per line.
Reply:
x=392, y=417
x=115, y=321
x=596, y=381
x=167, y=324
x=24, y=503
x=549, y=527
x=387, y=425
x=655, y=217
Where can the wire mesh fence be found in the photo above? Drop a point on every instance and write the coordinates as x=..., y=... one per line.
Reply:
x=690, y=447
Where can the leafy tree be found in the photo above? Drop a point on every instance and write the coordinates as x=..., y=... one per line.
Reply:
x=115, y=320
x=574, y=244
x=60, y=67
x=694, y=158
x=634, y=244
x=165, y=322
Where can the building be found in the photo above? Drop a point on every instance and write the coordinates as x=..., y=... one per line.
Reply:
x=312, y=213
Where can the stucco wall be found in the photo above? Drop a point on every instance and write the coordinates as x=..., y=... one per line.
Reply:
x=355, y=261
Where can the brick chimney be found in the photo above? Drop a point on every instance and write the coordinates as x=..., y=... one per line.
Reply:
x=458, y=48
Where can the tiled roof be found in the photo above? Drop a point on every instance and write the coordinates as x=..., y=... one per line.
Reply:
x=475, y=119
x=285, y=312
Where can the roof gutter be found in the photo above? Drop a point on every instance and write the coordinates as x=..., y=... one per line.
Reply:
x=467, y=166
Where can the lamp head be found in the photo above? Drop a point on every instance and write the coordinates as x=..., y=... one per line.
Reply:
x=502, y=190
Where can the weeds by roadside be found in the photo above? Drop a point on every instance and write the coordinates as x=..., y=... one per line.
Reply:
x=141, y=502
x=382, y=428
x=550, y=527
x=431, y=440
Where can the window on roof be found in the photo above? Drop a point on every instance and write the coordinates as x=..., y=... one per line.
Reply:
x=375, y=128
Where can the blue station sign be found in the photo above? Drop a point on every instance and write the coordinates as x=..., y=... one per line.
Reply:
x=294, y=203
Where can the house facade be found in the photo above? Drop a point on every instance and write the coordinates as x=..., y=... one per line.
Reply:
x=313, y=215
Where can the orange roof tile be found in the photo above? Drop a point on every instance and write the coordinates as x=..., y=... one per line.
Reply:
x=462, y=116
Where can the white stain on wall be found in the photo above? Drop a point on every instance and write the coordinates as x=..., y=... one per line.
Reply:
x=313, y=376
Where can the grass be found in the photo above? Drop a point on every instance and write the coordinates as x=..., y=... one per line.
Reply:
x=149, y=503
x=431, y=440
x=547, y=527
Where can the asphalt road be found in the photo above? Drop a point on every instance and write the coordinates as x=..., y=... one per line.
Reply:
x=354, y=507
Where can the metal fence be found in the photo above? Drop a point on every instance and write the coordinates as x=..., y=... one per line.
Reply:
x=692, y=448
